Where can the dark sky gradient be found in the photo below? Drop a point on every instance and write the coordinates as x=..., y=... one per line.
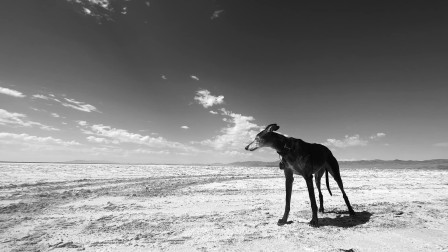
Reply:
x=320, y=69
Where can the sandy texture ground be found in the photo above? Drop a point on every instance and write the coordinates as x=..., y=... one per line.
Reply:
x=54, y=207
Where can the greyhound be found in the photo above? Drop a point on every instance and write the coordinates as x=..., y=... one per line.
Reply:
x=306, y=159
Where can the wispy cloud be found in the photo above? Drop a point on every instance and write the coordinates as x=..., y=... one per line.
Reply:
x=124, y=10
x=194, y=77
x=216, y=14
x=101, y=140
x=11, y=92
x=234, y=153
x=213, y=112
x=239, y=131
x=184, y=127
x=39, y=96
x=348, y=141
x=204, y=98
x=86, y=11
x=147, y=151
x=81, y=106
x=82, y=123
x=123, y=136
x=55, y=115
x=103, y=3
x=11, y=138
x=67, y=102
x=103, y=10
x=18, y=119
x=377, y=136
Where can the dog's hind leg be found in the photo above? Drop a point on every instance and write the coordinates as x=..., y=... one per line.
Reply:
x=309, y=184
x=288, y=184
x=318, y=176
x=334, y=171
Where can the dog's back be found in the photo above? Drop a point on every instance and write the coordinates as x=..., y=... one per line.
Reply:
x=318, y=153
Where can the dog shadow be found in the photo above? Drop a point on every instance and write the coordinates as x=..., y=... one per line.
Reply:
x=343, y=219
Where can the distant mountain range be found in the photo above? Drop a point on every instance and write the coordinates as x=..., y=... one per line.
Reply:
x=89, y=162
x=373, y=164
x=380, y=164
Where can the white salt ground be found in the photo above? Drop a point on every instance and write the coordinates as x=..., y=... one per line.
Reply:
x=186, y=208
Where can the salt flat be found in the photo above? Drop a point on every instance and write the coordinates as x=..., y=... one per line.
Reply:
x=109, y=207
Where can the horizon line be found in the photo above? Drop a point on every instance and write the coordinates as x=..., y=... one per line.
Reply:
x=259, y=161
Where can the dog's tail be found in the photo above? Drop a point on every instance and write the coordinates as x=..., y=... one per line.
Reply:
x=326, y=180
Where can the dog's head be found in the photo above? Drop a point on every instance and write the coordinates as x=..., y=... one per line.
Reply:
x=264, y=138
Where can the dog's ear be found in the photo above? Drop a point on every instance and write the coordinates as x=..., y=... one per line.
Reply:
x=272, y=127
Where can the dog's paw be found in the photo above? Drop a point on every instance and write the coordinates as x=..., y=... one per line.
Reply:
x=282, y=222
x=314, y=223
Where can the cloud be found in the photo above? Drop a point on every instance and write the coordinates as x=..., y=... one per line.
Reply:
x=377, y=136
x=17, y=119
x=39, y=96
x=442, y=145
x=194, y=77
x=81, y=106
x=11, y=138
x=239, y=131
x=146, y=151
x=216, y=14
x=104, y=10
x=213, y=112
x=101, y=140
x=348, y=141
x=351, y=141
x=124, y=10
x=185, y=127
x=71, y=103
x=99, y=9
x=234, y=153
x=82, y=123
x=204, y=98
x=164, y=77
x=55, y=115
x=87, y=11
x=105, y=4
x=123, y=136
x=11, y=92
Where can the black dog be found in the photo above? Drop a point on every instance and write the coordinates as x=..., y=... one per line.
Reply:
x=305, y=159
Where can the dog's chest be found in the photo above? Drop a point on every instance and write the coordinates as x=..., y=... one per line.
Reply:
x=295, y=169
x=296, y=165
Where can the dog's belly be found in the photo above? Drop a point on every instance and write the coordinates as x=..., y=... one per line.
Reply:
x=298, y=167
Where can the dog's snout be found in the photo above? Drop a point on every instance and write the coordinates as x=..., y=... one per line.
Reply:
x=247, y=147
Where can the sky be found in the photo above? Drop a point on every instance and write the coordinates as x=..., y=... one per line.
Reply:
x=176, y=81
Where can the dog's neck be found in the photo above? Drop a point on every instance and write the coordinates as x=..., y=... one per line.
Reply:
x=282, y=145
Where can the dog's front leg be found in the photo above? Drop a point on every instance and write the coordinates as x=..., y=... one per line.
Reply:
x=288, y=183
